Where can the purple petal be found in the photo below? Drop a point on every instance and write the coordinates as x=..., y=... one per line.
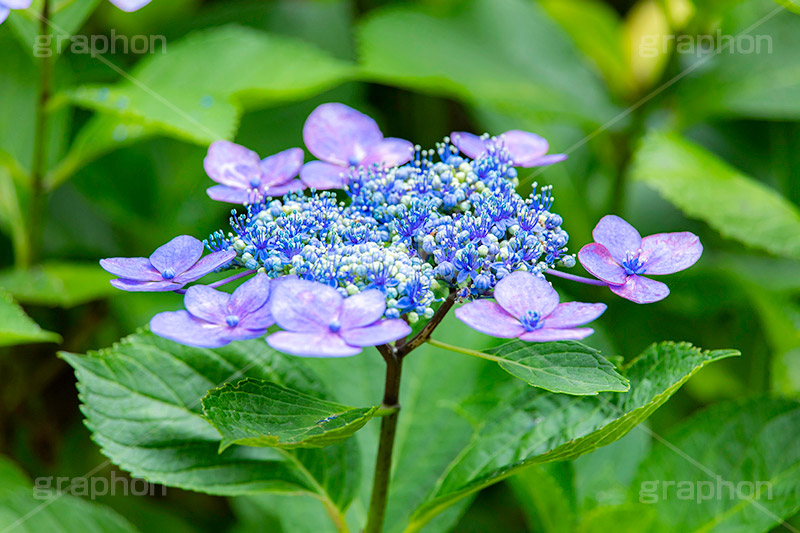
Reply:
x=521, y=292
x=146, y=286
x=17, y=4
x=641, y=290
x=133, y=268
x=283, y=188
x=4, y=12
x=281, y=167
x=362, y=309
x=598, y=261
x=179, y=254
x=233, y=165
x=665, y=253
x=489, y=318
x=207, y=304
x=617, y=236
x=377, y=333
x=223, y=193
x=339, y=134
x=571, y=314
x=250, y=296
x=524, y=147
x=323, y=176
x=546, y=160
x=390, y=152
x=311, y=344
x=130, y=5
x=553, y=334
x=207, y=264
x=305, y=306
x=180, y=326
x=468, y=144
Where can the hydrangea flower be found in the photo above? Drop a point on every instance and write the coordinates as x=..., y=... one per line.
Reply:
x=527, y=307
x=620, y=256
x=319, y=322
x=214, y=318
x=341, y=137
x=169, y=268
x=7, y=5
x=525, y=149
x=244, y=178
x=130, y=5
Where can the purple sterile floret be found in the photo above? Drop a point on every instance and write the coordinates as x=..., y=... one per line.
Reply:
x=130, y=5
x=620, y=256
x=524, y=148
x=7, y=5
x=169, y=268
x=214, y=318
x=341, y=137
x=527, y=307
x=319, y=322
x=245, y=178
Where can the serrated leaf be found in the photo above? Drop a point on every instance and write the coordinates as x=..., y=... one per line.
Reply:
x=17, y=328
x=416, y=48
x=66, y=18
x=142, y=402
x=536, y=427
x=21, y=511
x=704, y=187
x=568, y=367
x=264, y=414
x=57, y=284
x=200, y=86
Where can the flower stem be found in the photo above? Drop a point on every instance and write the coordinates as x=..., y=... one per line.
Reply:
x=40, y=141
x=425, y=334
x=231, y=279
x=573, y=277
x=465, y=351
x=383, y=462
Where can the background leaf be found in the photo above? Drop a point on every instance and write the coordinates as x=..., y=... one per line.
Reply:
x=58, y=284
x=17, y=328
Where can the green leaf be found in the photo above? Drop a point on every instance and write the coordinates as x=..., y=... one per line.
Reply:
x=704, y=187
x=142, y=402
x=22, y=511
x=260, y=413
x=546, y=496
x=17, y=328
x=173, y=93
x=507, y=69
x=536, y=427
x=748, y=446
x=566, y=366
x=58, y=284
x=66, y=18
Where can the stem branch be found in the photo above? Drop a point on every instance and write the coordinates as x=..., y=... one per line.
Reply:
x=425, y=334
x=573, y=277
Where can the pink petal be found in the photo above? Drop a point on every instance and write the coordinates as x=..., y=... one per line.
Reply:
x=489, y=318
x=598, y=261
x=311, y=344
x=554, y=334
x=223, y=193
x=179, y=254
x=146, y=286
x=571, y=314
x=339, y=134
x=389, y=152
x=133, y=268
x=468, y=144
x=377, y=333
x=207, y=304
x=206, y=265
x=641, y=290
x=281, y=167
x=362, y=309
x=305, y=306
x=524, y=147
x=617, y=236
x=231, y=164
x=520, y=292
x=665, y=253
x=180, y=326
x=323, y=176
x=284, y=188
